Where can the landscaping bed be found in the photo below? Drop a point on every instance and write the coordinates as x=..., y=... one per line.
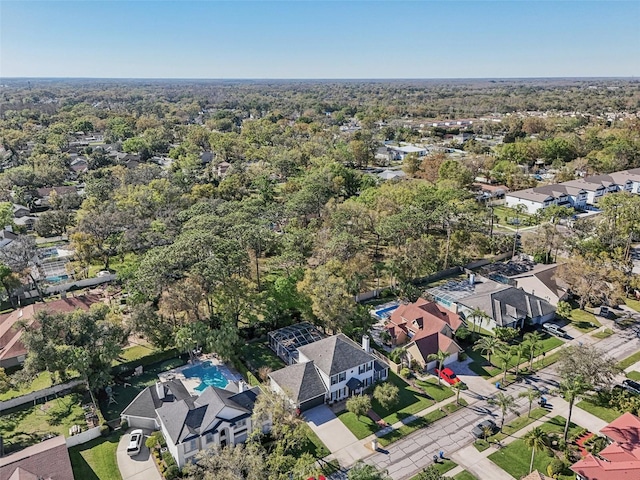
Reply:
x=96, y=460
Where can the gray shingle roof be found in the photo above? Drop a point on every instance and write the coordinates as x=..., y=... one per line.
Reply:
x=300, y=381
x=190, y=416
x=510, y=304
x=147, y=401
x=336, y=354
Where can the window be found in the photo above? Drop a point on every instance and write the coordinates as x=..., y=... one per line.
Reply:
x=361, y=369
x=190, y=446
x=334, y=380
x=369, y=366
x=208, y=438
x=342, y=377
x=241, y=423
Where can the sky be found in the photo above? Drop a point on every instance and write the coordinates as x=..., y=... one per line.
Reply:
x=307, y=39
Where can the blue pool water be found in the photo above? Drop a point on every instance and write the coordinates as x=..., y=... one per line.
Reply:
x=209, y=375
x=385, y=312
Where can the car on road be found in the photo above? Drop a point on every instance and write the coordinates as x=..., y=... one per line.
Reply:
x=631, y=386
x=554, y=329
x=448, y=376
x=479, y=430
x=135, y=442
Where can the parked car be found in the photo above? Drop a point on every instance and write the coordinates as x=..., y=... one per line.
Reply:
x=553, y=329
x=135, y=442
x=605, y=312
x=448, y=376
x=478, y=430
x=631, y=386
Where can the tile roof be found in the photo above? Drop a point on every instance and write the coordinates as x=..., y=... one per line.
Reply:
x=335, y=354
x=300, y=381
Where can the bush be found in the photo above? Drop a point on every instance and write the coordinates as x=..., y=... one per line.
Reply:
x=168, y=459
x=556, y=467
x=172, y=472
x=151, y=442
x=462, y=356
x=124, y=425
x=104, y=430
x=405, y=372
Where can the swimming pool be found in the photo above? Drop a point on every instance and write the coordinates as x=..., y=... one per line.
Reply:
x=384, y=313
x=208, y=374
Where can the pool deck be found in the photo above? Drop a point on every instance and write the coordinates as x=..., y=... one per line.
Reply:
x=191, y=383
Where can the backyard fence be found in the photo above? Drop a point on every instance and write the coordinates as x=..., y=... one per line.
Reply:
x=35, y=396
x=83, y=437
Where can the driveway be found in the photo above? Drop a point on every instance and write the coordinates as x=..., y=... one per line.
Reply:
x=478, y=386
x=140, y=467
x=329, y=428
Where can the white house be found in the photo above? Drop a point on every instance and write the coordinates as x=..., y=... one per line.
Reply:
x=330, y=369
x=191, y=423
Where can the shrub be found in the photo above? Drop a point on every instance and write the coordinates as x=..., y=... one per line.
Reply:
x=172, y=472
x=151, y=442
x=104, y=430
x=124, y=425
x=556, y=467
x=405, y=372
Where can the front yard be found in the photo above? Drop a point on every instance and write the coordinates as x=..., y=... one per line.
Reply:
x=515, y=457
x=96, y=460
x=582, y=320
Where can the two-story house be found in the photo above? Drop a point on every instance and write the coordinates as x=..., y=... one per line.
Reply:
x=191, y=423
x=328, y=370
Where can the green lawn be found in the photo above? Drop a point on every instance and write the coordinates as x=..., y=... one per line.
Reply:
x=442, y=468
x=96, y=460
x=515, y=457
x=124, y=395
x=361, y=427
x=583, y=320
x=633, y=375
x=134, y=353
x=464, y=476
x=547, y=360
x=607, y=332
x=257, y=355
x=481, y=445
x=632, y=303
x=606, y=413
x=313, y=444
x=115, y=264
x=630, y=360
x=43, y=380
x=24, y=426
x=480, y=364
x=518, y=424
x=435, y=391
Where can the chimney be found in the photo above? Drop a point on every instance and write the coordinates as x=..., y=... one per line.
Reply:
x=366, y=343
x=160, y=390
x=472, y=278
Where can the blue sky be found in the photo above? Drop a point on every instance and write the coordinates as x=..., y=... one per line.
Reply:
x=309, y=39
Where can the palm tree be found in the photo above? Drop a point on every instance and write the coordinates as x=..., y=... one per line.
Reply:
x=535, y=439
x=506, y=403
x=440, y=357
x=530, y=394
x=489, y=345
x=458, y=387
x=519, y=351
x=532, y=340
x=486, y=432
x=571, y=388
x=478, y=316
x=505, y=360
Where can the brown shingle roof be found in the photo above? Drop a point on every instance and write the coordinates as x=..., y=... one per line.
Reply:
x=48, y=459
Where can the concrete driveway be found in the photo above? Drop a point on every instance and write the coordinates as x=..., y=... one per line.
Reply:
x=478, y=386
x=140, y=467
x=329, y=428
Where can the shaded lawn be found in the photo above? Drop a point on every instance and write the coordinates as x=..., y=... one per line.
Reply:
x=583, y=320
x=515, y=457
x=410, y=401
x=481, y=445
x=518, y=424
x=630, y=360
x=116, y=263
x=43, y=380
x=313, y=444
x=435, y=391
x=464, y=476
x=257, y=355
x=124, y=395
x=604, y=412
x=361, y=427
x=134, y=353
x=604, y=334
x=28, y=425
x=442, y=467
x=96, y=460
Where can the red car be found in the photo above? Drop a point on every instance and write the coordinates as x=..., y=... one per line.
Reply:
x=448, y=376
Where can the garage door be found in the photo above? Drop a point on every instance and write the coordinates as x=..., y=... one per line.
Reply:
x=314, y=402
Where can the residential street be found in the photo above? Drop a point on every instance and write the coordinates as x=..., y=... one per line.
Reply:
x=452, y=435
